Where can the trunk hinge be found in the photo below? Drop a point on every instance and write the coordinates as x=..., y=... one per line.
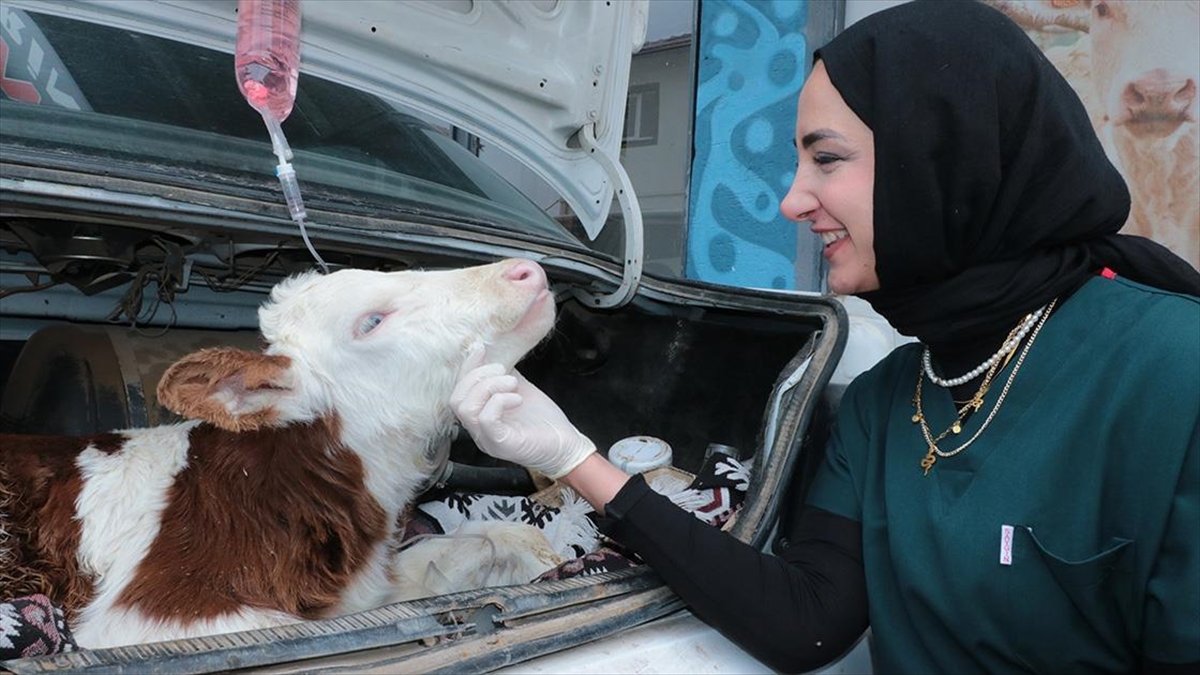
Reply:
x=631, y=212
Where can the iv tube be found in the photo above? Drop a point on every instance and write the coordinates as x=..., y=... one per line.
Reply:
x=267, y=66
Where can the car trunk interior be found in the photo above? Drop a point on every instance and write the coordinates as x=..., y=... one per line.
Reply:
x=688, y=363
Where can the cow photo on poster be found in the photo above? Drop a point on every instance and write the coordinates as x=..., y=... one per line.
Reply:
x=1135, y=64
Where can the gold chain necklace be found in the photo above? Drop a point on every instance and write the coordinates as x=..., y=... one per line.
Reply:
x=976, y=403
x=972, y=404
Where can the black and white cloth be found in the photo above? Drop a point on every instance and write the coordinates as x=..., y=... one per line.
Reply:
x=713, y=496
x=32, y=626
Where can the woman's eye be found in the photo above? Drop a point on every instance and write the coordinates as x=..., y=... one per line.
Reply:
x=369, y=323
x=824, y=158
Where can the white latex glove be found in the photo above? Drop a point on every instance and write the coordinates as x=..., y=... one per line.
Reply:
x=511, y=419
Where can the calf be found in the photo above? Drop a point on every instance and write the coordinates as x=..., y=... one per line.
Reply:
x=280, y=499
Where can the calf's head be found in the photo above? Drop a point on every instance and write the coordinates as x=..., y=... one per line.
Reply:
x=1146, y=63
x=378, y=350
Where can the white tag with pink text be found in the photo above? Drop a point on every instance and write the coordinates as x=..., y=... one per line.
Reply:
x=1006, y=544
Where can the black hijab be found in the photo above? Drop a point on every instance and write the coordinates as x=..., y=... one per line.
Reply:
x=993, y=194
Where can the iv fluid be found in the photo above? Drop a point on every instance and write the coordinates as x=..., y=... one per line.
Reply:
x=267, y=60
x=267, y=65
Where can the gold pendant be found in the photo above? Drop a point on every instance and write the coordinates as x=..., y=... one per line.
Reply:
x=928, y=460
x=956, y=428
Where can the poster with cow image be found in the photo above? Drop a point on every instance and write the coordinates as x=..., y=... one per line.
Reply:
x=1135, y=64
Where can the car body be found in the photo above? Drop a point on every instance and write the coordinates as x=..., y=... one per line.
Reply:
x=129, y=159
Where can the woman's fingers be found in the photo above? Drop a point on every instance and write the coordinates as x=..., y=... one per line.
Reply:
x=473, y=389
x=491, y=417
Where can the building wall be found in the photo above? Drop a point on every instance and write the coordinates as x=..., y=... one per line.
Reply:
x=857, y=9
x=658, y=167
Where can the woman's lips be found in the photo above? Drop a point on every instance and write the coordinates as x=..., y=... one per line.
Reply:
x=833, y=240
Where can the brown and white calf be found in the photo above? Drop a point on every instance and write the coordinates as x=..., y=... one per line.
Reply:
x=279, y=500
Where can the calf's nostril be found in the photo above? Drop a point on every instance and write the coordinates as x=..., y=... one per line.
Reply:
x=1159, y=92
x=521, y=273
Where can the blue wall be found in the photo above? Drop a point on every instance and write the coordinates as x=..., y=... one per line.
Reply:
x=751, y=65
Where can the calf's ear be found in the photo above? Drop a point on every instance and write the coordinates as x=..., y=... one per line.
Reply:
x=233, y=389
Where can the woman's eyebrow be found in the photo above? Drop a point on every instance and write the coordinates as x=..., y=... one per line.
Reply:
x=818, y=135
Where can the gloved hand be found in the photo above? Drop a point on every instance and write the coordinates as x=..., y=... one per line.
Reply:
x=511, y=419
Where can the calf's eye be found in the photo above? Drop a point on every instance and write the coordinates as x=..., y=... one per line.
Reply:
x=369, y=323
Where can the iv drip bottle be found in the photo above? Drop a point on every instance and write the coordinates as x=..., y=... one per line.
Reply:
x=267, y=60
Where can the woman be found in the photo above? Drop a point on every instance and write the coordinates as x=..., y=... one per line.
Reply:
x=1020, y=490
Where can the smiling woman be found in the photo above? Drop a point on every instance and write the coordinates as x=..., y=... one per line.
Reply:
x=834, y=184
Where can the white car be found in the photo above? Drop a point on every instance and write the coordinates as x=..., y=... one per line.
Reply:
x=136, y=188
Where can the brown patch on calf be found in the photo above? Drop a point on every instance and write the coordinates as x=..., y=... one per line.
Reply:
x=192, y=385
x=276, y=518
x=39, y=485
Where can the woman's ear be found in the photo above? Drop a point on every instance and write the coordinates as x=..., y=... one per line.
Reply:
x=233, y=389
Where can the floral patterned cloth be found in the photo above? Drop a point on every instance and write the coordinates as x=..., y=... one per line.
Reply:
x=716, y=493
x=599, y=561
x=714, y=496
x=569, y=527
x=31, y=626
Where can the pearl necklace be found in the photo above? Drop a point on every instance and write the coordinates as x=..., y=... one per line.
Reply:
x=1009, y=345
x=934, y=452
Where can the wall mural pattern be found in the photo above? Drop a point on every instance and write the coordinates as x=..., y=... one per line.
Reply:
x=751, y=65
x=1135, y=65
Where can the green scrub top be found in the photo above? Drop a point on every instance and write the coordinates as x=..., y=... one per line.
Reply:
x=1066, y=538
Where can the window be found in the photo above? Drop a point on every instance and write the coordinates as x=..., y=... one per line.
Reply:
x=102, y=102
x=641, y=115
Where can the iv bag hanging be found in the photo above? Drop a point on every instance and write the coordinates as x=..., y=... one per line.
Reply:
x=267, y=59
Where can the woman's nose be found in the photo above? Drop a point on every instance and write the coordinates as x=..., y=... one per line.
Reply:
x=798, y=203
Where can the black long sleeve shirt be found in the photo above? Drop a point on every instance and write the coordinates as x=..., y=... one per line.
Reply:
x=794, y=612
